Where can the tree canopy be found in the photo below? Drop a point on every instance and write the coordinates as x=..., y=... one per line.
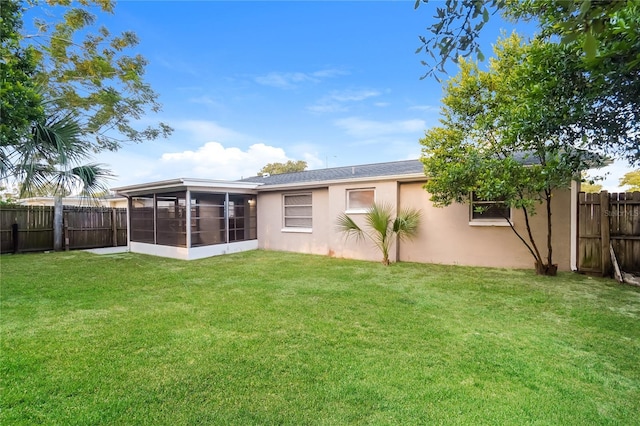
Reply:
x=593, y=25
x=632, y=179
x=513, y=133
x=600, y=39
x=20, y=99
x=69, y=88
x=85, y=69
x=279, y=168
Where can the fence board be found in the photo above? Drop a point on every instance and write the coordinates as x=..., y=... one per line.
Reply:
x=620, y=221
x=84, y=227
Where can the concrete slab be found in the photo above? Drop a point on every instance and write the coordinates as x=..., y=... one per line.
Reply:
x=109, y=250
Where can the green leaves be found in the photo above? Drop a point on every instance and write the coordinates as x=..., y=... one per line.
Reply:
x=513, y=133
x=20, y=97
x=85, y=70
x=288, y=167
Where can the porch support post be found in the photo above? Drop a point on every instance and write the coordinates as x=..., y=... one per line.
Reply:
x=188, y=216
x=226, y=217
x=129, y=207
x=155, y=218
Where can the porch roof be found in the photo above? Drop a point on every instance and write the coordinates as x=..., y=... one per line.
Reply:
x=181, y=184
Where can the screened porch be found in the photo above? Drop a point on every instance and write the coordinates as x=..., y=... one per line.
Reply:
x=176, y=220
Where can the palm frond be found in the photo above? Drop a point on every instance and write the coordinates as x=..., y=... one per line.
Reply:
x=61, y=139
x=383, y=227
x=379, y=217
x=93, y=178
x=349, y=227
x=407, y=224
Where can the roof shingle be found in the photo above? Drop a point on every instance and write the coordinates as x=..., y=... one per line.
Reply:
x=393, y=168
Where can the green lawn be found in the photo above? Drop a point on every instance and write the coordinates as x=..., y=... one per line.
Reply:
x=278, y=338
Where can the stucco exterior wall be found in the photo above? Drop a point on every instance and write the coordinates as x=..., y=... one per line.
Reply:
x=324, y=238
x=272, y=234
x=446, y=235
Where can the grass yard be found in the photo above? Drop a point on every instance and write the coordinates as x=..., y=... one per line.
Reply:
x=279, y=338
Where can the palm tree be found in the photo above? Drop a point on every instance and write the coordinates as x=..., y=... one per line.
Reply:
x=51, y=160
x=383, y=227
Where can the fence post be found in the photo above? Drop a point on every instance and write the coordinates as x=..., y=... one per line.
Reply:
x=605, y=236
x=14, y=235
x=65, y=222
x=114, y=226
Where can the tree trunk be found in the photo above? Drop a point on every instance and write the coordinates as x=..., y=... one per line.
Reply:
x=57, y=223
x=543, y=269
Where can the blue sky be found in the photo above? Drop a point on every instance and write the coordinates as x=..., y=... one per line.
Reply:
x=248, y=83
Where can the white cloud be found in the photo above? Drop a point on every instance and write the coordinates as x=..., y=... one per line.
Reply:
x=284, y=80
x=202, y=130
x=362, y=128
x=214, y=161
x=425, y=108
x=335, y=101
x=205, y=100
x=611, y=175
x=291, y=80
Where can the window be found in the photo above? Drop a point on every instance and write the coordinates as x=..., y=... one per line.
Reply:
x=489, y=210
x=360, y=200
x=297, y=211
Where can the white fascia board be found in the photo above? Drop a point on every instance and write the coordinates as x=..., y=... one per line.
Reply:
x=185, y=183
x=415, y=177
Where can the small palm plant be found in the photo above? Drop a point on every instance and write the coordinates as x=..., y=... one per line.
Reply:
x=383, y=227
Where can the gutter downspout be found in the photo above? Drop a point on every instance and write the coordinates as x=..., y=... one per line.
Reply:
x=575, y=190
x=397, y=211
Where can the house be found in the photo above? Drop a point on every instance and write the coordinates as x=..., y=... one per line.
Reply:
x=297, y=212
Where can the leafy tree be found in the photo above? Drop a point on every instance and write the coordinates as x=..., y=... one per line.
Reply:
x=85, y=71
x=279, y=168
x=458, y=24
x=603, y=36
x=632, y=179
x=512, y=133
x=384, y=229
x=20, y=100
x=71, y=91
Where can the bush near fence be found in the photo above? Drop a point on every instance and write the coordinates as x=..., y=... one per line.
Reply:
x=31, y=228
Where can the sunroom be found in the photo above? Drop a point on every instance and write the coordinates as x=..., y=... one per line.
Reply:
x=192, y=218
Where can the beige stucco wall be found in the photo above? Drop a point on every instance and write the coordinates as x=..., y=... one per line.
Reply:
x=445, y=236
x=270, y=224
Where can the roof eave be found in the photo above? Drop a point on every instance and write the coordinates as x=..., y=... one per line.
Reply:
x=183, y=184
x=413, y=177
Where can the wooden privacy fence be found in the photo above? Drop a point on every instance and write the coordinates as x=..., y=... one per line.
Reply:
x=604, y=220
x=31, y=228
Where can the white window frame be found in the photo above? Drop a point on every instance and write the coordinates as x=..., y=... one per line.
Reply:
x=490, y=221
x=358, y=210
x=295, y=228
